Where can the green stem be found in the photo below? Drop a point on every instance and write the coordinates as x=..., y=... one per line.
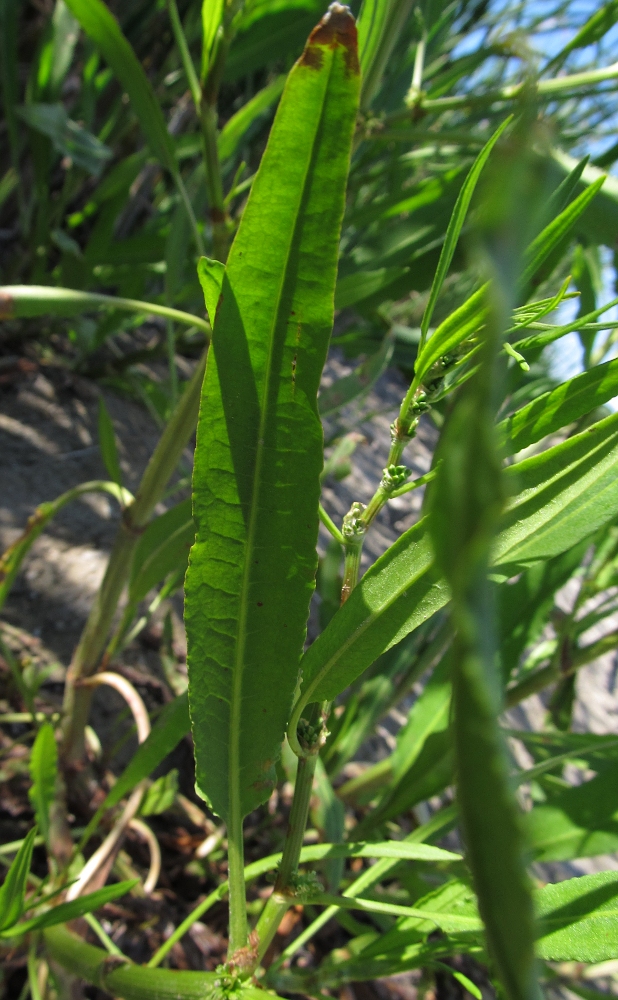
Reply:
x=185, y=55
x=94, y=636
x=353, y=552
x=236, y=878
x=283, y=893
x=330, y=525
x=543, y=88
x=218, y=211
x=28, y=301
x=134, y=982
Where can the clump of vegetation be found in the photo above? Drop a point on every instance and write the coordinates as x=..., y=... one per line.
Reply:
x=411, y=201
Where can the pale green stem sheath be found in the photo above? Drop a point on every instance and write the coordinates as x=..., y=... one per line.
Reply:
x=351, y=567
x=92, y=641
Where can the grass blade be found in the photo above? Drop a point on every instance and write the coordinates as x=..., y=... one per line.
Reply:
x=13, y=889
x=43, y=773
x=99, y=23
x=456, y=225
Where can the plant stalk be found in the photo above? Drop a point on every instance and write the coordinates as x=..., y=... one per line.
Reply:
x=238, y=899
x=283, y=894
x=218, y=211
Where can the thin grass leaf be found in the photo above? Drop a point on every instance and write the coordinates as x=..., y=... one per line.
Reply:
x=456, y=225
x=13, y=557
x=63, y=912
x=554, y=235
x=43, y=774
x=212, y=26
x=13, y=890
x=99, y=23
x=465, y=322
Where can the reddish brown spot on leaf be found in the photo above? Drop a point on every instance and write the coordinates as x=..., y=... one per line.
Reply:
x=6, y=305
x=337, y=28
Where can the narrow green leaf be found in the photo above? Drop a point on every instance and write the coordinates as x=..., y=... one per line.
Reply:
x=259, y=450
x=554, y=235
x=560, y=197
x=97, y=21
x=43, y=773
x=578, y=919
x=161, y=795
x=380, y=24
x=63, y=912
x=456, y=225
x=236, y=127
x=464, y=322
x=212, y=26
x=17, y=301
x=558, y=408
x=592, y=31
x=107, y=444
x=427, y=726
x=13, y=890
x=574, y=495
x=210, y=272
x=454, y=901
x=14, y=556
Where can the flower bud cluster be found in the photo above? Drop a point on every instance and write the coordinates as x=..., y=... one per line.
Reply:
x=353, y=527
x=393, y=477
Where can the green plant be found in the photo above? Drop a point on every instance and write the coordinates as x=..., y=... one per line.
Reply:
x=466, y=592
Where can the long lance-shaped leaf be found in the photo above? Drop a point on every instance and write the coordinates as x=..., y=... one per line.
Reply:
x=26, y=301
x=13, y=889
x=563, y=405
x=259, y=450
x=63, y=912
x=566, y=493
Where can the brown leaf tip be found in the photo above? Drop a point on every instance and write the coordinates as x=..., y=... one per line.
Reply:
x=337, y=28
